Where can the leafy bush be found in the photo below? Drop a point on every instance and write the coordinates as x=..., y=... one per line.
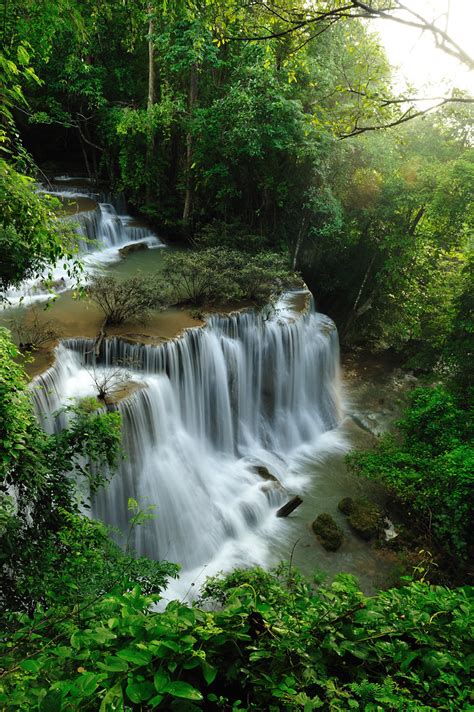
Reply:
x=429, y=466
x=120, y=301
x=32, y=238
x=35, y=476
x=221, y=275
x=275, y=644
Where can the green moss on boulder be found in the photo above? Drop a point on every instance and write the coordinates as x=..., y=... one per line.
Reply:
x=365, y=518
x=329, y=535
x=346, y=506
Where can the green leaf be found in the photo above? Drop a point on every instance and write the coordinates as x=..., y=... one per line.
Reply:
x=52, y=702
x=88, y=682
x=161, y=680
x=137, y=657
x=113, y=664
x=407, y=660
x=155, y=701
x=140, y=691
x=23, y=56
x=209, y=671
x=31, y=665
x=113, y=700
x=184, y=690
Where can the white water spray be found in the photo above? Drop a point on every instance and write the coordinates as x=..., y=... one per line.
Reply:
x=242, y=392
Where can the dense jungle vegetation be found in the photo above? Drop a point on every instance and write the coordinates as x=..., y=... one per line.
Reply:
x=247, y=137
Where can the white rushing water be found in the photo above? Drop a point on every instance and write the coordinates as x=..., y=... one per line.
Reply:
x=102, y=231
x=242, y=392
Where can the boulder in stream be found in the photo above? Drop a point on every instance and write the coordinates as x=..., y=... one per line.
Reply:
x=366, y=518
x=346, y=506
x=329, y=535
x=265, y=473
x=134, y=247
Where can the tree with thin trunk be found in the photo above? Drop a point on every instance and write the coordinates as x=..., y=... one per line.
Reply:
x=120, y=301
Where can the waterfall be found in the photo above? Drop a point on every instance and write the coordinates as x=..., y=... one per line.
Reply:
x=103, y=228
x=244, y=391
x=101, y=231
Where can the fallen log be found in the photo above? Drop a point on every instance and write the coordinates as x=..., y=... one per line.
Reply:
x=289, y=507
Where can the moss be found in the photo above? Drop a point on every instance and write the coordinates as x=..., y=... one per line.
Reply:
x=346, y=506
x=366, y=519
x=329, y=535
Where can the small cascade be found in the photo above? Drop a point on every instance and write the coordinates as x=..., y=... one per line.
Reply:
x=244, y=391
x=103, y=228
x=102, y=231
x=71, y=188
x=66, y=380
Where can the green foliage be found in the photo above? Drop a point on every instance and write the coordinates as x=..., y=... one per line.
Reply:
x=275, y=643
x=220, y=275
x=458, y=347
x=32, y=239
x=242, y=135
x=233, y=236
x=35, y=477
x=430, y=466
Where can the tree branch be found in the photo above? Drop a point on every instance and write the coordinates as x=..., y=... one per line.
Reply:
x=359, y=9
x=407, y=116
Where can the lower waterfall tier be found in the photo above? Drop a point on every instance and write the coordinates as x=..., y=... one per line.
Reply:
x=246, y=391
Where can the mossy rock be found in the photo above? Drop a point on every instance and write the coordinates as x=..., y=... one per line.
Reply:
x=366, y=519
x=346, y=506
x=329, y=535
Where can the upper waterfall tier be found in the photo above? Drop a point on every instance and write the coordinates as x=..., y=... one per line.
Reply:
x=102, y=229
x=243, y=391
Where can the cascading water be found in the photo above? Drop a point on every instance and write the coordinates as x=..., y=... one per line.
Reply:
x=101, y=231
x=102, y=228
x=242, y=392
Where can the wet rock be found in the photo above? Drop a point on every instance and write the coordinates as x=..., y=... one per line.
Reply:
x=346, y=505
x=134, y=247
x=265, y=473
x=327, y=532
x=366, y=518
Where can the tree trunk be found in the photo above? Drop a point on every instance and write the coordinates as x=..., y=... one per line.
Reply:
x=356, y=310
x=416, y=220
x=150, y=102
x=86, y=158
x=193, y=89
x=151, y=59
x=299, y=240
